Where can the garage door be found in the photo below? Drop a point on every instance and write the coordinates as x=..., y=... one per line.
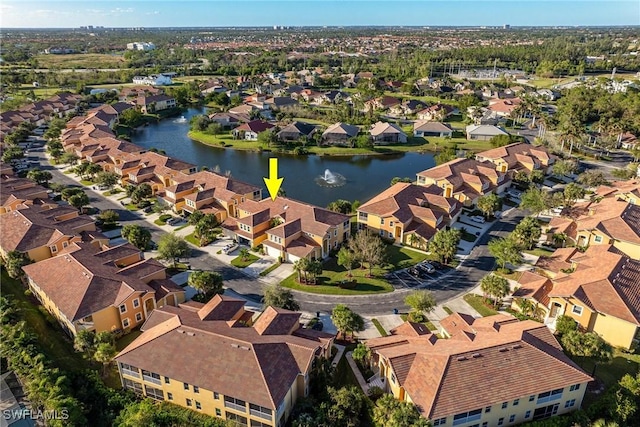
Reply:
x=292, y=258
x=272, y=252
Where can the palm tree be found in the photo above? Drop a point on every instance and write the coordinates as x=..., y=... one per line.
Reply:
x=526, y=306
x=244, y=254
x=414, y=240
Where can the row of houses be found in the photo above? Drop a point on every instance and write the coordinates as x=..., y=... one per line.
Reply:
x=40, y=112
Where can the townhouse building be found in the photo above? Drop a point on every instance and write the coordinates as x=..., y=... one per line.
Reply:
x=487, y=373
x=465, y=179
x=288, y=228
x=519, y=156
x=227, y=367
x=15, y=192
x=409, y=214
x=44, y=231
x=88, y=287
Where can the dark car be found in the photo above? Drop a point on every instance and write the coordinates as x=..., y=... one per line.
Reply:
x=152, y=246
x=318, y=326
x=437, y=265
x=148, y=209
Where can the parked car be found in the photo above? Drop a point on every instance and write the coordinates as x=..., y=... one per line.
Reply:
x=173, y=221
x=230, y=248
x=414, y=272
x=477, y=218
x=318, y=326
x=437, y=265
x=152, y=246
x=514, y=193
x=100, y=187
x=148, y=209
x=426, y=267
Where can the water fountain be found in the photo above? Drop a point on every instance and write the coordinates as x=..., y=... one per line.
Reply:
x=330, y=179
x=182, y=119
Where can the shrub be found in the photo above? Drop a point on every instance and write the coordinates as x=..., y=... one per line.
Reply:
x=28, y=293
x=165, y=217
x=375, y=393
x=417, y=317
x=565, y=324
x=347, y=284
x=143, y=204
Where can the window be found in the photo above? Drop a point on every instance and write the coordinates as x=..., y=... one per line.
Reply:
x=466, y=417
x=167, y=380
x=576, y=309
x=382, y=232
x=255, y=423
x=485, y=424
x=151, y=377
x=381, y=221
x=391, y=223
x=54, y=249
x=597, y=239
x=123, y=308
x=218, y=412
x=132, y=385
x=237, y=418
x=440, y=421
x=138, y=317
x=136, y=303
x=154, y=393
x=501, y=421
x=65, y=244
x=487, y=409
x=574, y=387
x=233, y=403
x=260, y=411
x=363, y=216
x=549, y=396
x=125, y=322
x=196, y=389
x=393, y=378
x=512, y=418
x=391, y=234
x=130, y=370
x=189, y=402
x=335, y=233
x=570, y=403
x=504, y=405
x=545, y=412
x=516, y=402
x=216, y=395
x=532, y=397
x=198, y=405
x=527, y=414
x=186, y=386
x=169, y=396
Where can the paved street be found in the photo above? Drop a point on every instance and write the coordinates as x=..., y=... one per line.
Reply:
x=447, y=285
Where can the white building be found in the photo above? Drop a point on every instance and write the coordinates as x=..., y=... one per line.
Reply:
x=153, y=80
x=141, y=46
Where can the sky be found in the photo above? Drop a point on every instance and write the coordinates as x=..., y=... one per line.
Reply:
x=220, y=13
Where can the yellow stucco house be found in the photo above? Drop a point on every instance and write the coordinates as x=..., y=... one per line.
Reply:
x=465, y=179
x=409, y=214
x=486, y=373
x=227, y=367
x=101, y=289
x=601, y=294
x=518, y=156
x=288, y=228
x=16, y=191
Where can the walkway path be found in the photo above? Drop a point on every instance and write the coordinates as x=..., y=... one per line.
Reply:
x=361, y=381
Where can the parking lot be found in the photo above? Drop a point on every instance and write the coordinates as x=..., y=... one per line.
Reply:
x=402, y=279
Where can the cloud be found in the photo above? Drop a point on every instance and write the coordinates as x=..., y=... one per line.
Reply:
x=119, y=10
x=155, y=12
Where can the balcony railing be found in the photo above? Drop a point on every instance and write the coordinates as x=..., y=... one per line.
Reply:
x=260, y=414
x=151, y=379
x=131, y=373
x=235, y=406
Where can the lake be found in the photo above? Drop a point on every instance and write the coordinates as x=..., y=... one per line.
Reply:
x=365, y=176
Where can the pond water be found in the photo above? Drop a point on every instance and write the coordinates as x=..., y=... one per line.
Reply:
x=364, y=176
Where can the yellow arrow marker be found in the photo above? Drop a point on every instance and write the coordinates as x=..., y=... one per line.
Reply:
x=273, y=182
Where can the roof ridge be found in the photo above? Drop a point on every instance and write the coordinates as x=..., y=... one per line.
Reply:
x=264, y=380
x=169, y=324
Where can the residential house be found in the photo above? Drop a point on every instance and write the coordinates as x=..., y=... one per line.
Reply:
x=505, y=356
x=427, y=128
x=229, y=120
x=465, y=179
x=288, y=228
x=227, y=367
x=335, y=96
x=627, y=141
x=628, y=191
x=436, y=113
x=339, y=133
x=547, y=94
x=280, y=102
x=504, y=107
x=382, y=103
x=153, y=80
x=535, y=288
x=409, y=214
x=16, y=192
x=154, y=103
x=600, y=292
x=296, y=130
x=518, y=156
x=244, y=109
x=131, y=92
x=409, y=107
x=484, y=132
x=608, y=222
x=101, y=289
x=250, y=130
x=387, y=133
x=42, y=232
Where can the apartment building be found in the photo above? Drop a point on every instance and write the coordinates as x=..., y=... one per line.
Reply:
x=227, y=366
x=465, y=179
x=288, y=228
x=520, y=156
x=487, y=373
x=44, y=231
x=15, y=192
x=409, y=214
x=100, y=289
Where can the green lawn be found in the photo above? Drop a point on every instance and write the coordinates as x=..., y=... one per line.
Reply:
x=513, y=275
x=610, y=373
x=466, y=236
x=427, y=323
x=242, y=263
x=127, y=339
x=54, y=343
x=539, y=252
x=379, y=327
x=403, y=257
x=447, y=309
x=182, y=227
x=270, y=269
x=131, y=207
x=226, y=139
x=86, y=182
x=477, y=302
x=192, y=239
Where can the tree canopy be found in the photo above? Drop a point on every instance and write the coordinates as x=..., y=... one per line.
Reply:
x=172, y=247
x=276, y=295
x=445, y=244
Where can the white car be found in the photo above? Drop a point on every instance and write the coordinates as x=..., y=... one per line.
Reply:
x=477, y=218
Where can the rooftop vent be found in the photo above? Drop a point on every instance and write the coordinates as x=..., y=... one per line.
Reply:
x=191, y=334
x=180, y=331
x=285, y=207
x=235, y=345
x=461, y=358
x=476, y=355
x=516, y=346
x=244, y=347
x=502, y=350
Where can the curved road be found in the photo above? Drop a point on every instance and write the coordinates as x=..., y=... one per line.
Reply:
x=457, y=281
